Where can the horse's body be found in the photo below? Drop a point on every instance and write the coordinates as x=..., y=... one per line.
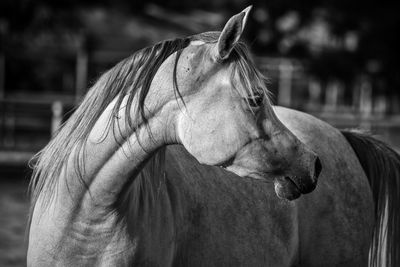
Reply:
x=198, y=215
x=229, y=221
x=205, y=216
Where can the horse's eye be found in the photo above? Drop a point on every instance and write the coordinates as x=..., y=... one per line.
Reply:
x=256, y=100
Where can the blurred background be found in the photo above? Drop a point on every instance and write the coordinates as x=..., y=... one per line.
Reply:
x=335, y=59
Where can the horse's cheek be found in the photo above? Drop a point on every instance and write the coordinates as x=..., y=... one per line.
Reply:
x=207, y=140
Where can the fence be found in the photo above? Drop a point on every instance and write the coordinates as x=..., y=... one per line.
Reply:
x=295, y=87
x=26, y=124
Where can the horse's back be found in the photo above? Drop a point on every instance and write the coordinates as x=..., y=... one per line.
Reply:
x=228, y=220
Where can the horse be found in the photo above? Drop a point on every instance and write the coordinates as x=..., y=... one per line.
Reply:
x=190, y=214
x=202, y=92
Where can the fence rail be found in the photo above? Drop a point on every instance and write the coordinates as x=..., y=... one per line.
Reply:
x=27, y=122
x=26, y=126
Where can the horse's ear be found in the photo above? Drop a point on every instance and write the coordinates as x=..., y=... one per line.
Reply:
x=231, y=34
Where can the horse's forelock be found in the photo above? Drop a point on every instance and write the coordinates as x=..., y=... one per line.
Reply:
x=252, y=80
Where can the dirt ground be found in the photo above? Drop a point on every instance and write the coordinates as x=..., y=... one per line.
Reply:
x=13, y=216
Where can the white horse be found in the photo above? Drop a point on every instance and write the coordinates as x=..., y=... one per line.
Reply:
x=202, y=92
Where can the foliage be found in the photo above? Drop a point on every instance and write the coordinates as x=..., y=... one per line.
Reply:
x=367, y=30
x=360, y=37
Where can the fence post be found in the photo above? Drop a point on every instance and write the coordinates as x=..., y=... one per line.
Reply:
x=333, y=91
x=314, y=92
x=380, y=106
x=365, y=102
x=81, y=68
x=285, y=83
x=2, y=74
x=56, y=118
x=3, y=31
x=9, y=121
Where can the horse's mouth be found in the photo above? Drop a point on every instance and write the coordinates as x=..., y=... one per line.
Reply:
x=286, y=188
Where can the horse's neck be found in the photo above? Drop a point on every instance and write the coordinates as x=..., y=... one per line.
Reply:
x=84, y=208
x=108, y=161
x=112, y=157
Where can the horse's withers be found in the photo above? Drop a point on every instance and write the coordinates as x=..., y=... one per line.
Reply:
x=278, y=153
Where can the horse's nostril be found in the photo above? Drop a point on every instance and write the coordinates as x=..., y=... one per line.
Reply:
x=318, y=168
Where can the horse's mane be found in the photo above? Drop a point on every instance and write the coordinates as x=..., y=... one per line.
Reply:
x=131, y=77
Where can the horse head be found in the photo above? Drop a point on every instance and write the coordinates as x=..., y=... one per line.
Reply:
x=223, y=117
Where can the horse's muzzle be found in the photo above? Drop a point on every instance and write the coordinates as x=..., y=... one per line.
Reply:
x=292, y=186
